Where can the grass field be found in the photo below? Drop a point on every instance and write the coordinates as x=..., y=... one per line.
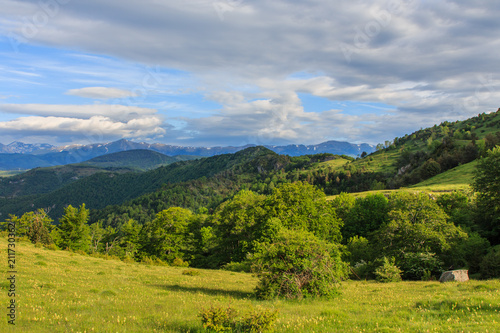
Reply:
x=458, y=178
x=58, y=291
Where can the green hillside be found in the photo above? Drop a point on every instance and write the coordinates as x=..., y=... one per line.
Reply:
x=458, y=178
x=44, y=180
x=425, y=154
x=60, y=291
x=110, y=188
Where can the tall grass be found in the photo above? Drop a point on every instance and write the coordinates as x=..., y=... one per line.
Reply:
x=75, y=293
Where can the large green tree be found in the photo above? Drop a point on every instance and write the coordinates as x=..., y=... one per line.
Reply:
x=73, y=231
x=35, y=225
x=487, y=184
x=417, y=225
x=236, y=224
x=300, y=206
x=166, y=236
x=365, y=216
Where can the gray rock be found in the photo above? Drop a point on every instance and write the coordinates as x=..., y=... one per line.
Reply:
x=460, y=275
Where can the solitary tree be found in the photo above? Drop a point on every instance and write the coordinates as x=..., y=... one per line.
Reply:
x=297, y=264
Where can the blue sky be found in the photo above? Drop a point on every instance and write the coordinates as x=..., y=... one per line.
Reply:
x=234, y=72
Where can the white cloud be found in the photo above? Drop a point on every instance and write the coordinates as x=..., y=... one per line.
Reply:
x=101, y=93
x=114, y=112
x=95, y=126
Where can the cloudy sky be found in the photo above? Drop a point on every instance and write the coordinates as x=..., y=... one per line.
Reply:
x=232, y=72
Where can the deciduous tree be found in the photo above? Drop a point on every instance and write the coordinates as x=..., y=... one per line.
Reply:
x=487, y=184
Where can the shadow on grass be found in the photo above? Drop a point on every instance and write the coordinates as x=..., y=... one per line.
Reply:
x=207, y=291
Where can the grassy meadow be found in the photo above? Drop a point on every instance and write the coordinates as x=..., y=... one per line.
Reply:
x=458, y=178
x=59, y=291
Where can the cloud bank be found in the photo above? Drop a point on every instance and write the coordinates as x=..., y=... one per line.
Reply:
x=426, y=61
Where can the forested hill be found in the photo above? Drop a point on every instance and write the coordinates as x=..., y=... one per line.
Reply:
x=43, y=180
x=111, y=188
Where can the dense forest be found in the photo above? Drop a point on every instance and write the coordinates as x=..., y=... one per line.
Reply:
x=241, y=211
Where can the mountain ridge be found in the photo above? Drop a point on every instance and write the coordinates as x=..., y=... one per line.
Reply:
x=30, y=156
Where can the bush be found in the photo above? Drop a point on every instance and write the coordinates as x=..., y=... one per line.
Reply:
x=244, y=266
x=153, y=261
x=51, y=247
x=218, y=319
x=416, y=265
x=358, y=250
x=258, y=321
x=490, y=266
x=361, y=270
x=388, y=271
x=297, y=265
x=427, y=276
x=191, y=272
x=471, y=252
x=180, y=263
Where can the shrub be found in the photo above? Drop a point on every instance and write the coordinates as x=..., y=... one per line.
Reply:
x=244, y=266
x=296, y=265
x=178, y=262
x=191, y=272
x=358, y=250
x=490, y=266
x=258, y=321
x=52, y=247
x=388, y=271
x=427, y=276
x=218, y=319
x=415, y=265
x=361, y=270
x=128, y=260
x=153, y=261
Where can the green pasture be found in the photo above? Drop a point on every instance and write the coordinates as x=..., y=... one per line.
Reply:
x=59, y=291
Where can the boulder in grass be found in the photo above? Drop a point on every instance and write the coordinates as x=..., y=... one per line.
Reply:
x=460, y=275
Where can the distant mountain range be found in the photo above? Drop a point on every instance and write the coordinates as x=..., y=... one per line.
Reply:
x=18, y=155
x=42, y=180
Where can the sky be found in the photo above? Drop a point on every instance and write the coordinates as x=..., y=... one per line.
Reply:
x=236, y=72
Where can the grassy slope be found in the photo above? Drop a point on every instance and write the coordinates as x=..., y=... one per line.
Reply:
x=458, y=178
x=62, y=292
